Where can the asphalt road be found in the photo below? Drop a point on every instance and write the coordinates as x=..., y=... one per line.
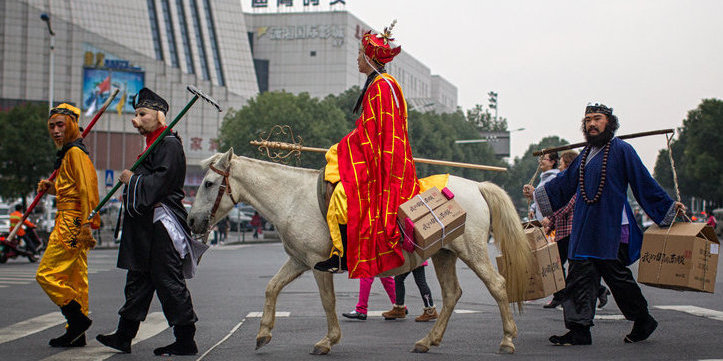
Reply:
x=229, y=290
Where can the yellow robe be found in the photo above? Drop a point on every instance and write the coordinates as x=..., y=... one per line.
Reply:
x=63, y=270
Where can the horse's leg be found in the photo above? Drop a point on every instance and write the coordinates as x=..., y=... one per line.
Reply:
x=325, y=283
x=288, y=272
x=444, y=266
x=479, y=263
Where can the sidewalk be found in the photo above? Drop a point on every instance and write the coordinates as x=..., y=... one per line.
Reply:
x=106, y=241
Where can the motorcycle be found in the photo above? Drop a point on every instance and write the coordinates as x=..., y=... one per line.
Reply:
x=12, y=249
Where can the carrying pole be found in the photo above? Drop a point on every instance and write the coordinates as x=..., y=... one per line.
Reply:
x=578, y=145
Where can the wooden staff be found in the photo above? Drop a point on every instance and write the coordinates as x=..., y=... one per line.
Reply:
x=578, y=145
x=295, y=147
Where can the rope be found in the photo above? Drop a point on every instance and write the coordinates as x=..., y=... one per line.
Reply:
x=672, y=166
x=529, y=201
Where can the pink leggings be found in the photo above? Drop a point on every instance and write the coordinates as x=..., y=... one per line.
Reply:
x=365, y=286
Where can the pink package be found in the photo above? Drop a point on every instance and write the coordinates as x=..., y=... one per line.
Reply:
x=447, y=193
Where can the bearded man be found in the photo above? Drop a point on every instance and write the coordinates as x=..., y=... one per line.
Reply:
x=605, y=238
x=63, y=270
x=156, y=247
x=374, y=168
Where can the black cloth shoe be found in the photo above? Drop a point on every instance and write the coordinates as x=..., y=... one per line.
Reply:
x=184, y=345
x=355, y=315
x=577, y=336
x=642, y=329
x=78, y=323
x=602, y=297
x=333, y=265
x=552, y=304
x=121, y=339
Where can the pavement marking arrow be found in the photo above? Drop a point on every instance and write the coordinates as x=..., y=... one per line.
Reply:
x=154, y=324
x=30, y=326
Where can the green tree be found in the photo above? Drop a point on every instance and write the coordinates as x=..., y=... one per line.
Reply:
x=697, y=157
x=524, y=168
x=27, y=153
x=484, y=121
x=320, y=123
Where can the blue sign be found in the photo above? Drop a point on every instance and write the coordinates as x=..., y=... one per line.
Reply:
x=109, y=178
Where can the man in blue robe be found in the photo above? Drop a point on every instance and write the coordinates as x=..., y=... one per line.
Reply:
x=605, y=238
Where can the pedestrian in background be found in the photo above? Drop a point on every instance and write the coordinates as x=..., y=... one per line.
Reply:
x=365, y=286
x=399, y=310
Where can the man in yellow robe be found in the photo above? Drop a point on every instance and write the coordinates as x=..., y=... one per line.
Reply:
x=63, y=270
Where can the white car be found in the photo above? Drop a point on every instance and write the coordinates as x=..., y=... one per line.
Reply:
x=4, y=224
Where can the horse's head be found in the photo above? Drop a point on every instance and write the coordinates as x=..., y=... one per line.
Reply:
x=214, y=199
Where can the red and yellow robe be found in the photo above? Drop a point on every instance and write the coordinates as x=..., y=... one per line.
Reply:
x=377, y=172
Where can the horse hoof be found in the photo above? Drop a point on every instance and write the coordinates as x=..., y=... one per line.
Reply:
x=419, y=348
x=262, y=341
x=506, y=350
x=319, y=350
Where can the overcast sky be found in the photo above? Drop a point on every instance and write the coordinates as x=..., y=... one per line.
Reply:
x=652, y=61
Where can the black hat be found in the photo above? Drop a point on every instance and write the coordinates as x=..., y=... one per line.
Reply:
x=598, y=108
x=146, y=98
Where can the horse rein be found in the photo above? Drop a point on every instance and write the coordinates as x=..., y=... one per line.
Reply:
x=224, y=188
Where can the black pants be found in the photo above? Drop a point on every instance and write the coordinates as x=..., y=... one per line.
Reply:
x=583, y=281
x=562, y=247
x=165, y=278
x=421, y=281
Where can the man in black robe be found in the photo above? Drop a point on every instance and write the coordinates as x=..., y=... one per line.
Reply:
x=155, y=247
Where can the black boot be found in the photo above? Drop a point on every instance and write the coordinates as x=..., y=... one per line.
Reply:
x=184, y=345
x=121, y=338
x=78, y=323
x=335, y=264
x=578, y=335
x=602, y=297
x=642, y=329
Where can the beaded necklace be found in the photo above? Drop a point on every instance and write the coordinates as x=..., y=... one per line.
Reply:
x=603, y=174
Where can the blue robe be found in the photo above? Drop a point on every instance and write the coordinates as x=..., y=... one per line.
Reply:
x=596, y=228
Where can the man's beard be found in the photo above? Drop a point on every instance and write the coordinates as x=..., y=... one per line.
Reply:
x=601, y=139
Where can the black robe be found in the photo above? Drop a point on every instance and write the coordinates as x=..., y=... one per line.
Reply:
x=159, y=178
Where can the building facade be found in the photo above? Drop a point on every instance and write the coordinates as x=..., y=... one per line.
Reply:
x=316, y=52
x=164, y=45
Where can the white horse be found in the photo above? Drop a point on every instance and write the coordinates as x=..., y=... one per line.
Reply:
x=287, y=196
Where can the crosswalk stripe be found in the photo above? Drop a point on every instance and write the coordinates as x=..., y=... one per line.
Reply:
x=16, y=282
x=696, y=311
x=154, y=324
x=259, y=314
x=30, y=326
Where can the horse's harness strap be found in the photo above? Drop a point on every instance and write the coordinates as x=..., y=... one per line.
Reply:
x=225, y=187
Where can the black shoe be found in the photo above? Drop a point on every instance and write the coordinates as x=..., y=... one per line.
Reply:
x=552, y=304
x=333, y=265
x=602, y=298
x=580, y=336
x=184, y=345
x=642, y=329
x=115, y=341
x=78, y=323
x=355, y=315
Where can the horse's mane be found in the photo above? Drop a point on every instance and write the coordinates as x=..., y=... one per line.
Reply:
x=207, y=162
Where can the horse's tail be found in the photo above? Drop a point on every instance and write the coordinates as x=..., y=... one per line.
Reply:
x=510, y=238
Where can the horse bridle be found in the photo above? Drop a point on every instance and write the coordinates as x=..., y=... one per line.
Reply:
x=225, y=187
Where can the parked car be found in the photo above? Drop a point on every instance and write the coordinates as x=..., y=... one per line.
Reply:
x=4, y=224
x=239, y=215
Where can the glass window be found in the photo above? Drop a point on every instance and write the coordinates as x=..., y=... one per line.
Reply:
x=155, y=32
x=214, y=43
x=184, y=36
x=169, y=33
x=199, y=40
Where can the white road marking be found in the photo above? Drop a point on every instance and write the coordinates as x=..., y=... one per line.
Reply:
x=696, y=311
x=222, y=340
x=154, y=324
x=30, y=326
x=466, y=311
x=259, y=314
x=609, y=317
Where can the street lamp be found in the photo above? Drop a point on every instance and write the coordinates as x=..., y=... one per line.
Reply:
x=46, y=18
x=482, y=140
x=493, y=102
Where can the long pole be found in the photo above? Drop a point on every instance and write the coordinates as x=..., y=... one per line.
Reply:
x=144, y=156
x=288, y=146
x=52, y=71
x=582, y=144
x=55, y=172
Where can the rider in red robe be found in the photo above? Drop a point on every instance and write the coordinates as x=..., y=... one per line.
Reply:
x=375, y=170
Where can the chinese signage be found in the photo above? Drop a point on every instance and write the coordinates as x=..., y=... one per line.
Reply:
x=307, y=4
x=334, y=32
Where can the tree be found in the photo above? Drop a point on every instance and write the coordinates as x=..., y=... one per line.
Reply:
x=697, y=157
x=320, y=123
x=27, y=152
x=484, y=121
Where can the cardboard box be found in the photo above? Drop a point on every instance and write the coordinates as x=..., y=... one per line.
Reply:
x=535, y=234
x=682, y=258
x=428, y=231
x=548, y=277
x=415, y=209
